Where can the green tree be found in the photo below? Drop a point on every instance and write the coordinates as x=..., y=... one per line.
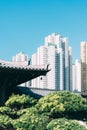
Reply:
x=5, y=121
x=8, y=111
x=65, y=124
x=28, y=111
x=63, y=104
x=18, y=102
x=31, y=120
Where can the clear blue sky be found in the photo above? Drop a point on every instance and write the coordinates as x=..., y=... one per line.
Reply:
x=25, y=23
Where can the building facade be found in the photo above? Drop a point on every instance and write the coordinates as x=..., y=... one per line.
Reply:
x=76, y=76
x=58, y=54
x=70, y=68
x=23, y=60
x=83, y=67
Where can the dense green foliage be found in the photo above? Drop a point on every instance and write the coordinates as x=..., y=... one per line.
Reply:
x=27, y=111
x=63, y=104
x=30, y=121
x=19, y=102
x=65, y=124
x=5, y=121
x=56, y=111
x=8, y=111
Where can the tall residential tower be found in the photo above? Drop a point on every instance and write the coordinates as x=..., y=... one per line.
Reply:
x=83, y=67
x=76, y=76
x=58, y=54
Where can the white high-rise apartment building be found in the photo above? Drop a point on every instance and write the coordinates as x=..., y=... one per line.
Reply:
x=76, y=76
x=84, y=67
x=23, y=60
x=40, y=58
x=56, y=52
x=70, y=68
x=60, y=70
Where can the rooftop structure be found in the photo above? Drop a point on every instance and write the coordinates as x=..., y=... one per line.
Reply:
x=12, y=75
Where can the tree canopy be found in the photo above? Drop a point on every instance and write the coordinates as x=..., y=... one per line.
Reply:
x=63, y=104
x=20, y=101
x=60, y=110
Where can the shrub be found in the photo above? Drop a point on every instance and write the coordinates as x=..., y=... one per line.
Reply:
x=8, y=111
x=65, y=124
x=20, y=101
x=5, y=121
x=27, y=111
x=63, y=104
x=31, y=120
